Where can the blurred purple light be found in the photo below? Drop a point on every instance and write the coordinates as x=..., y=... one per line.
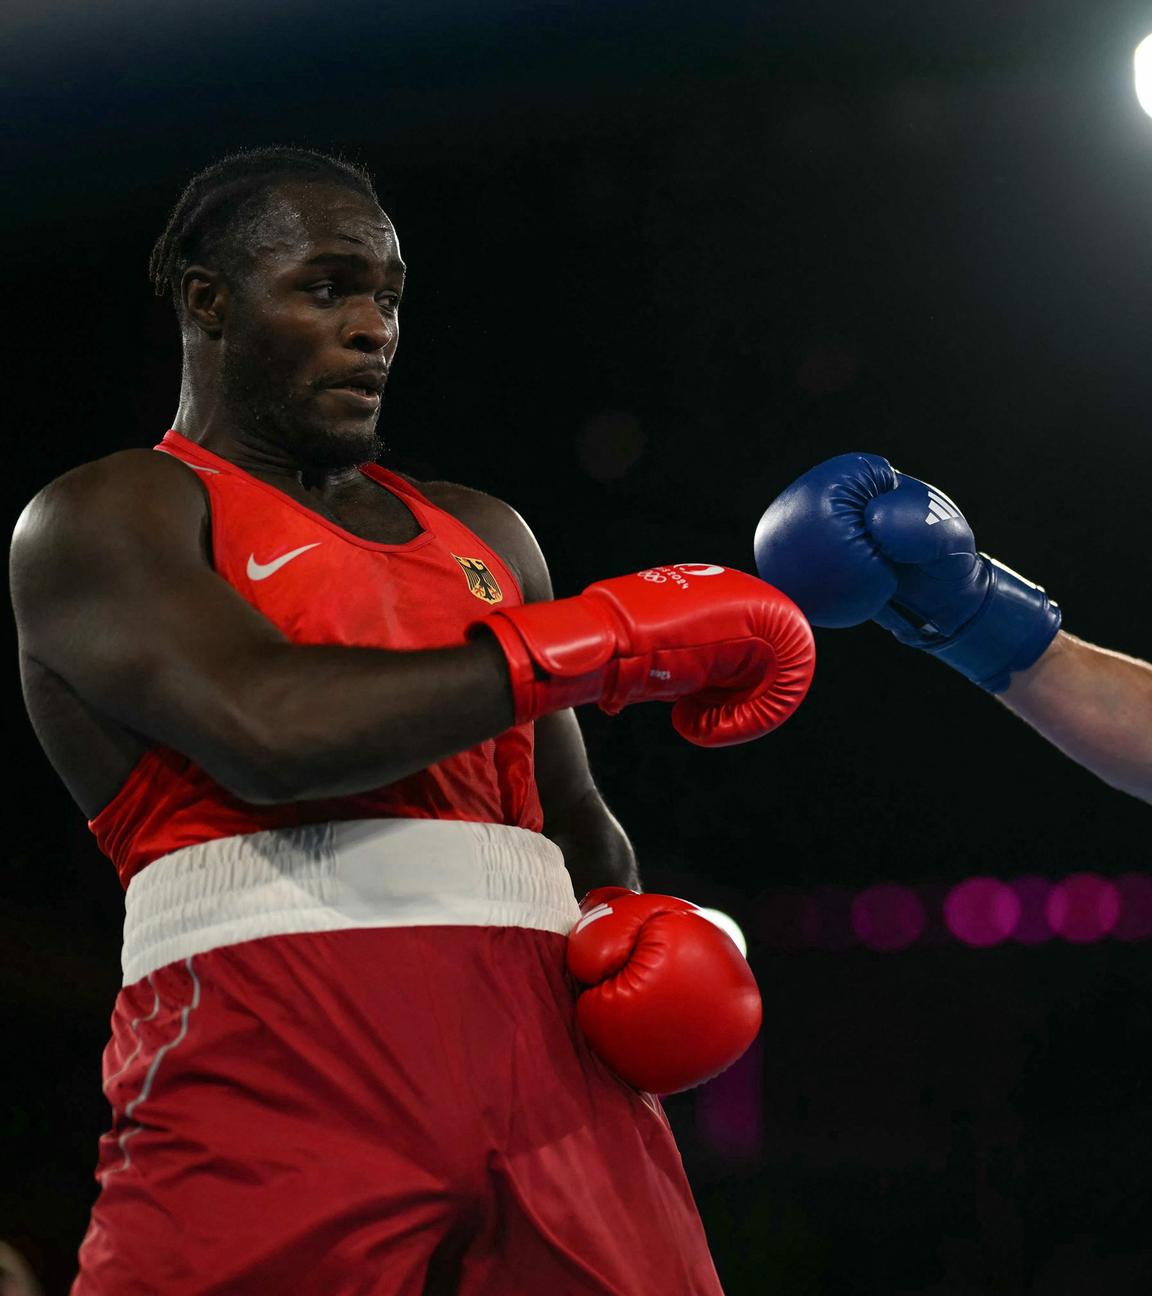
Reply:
x=1083, y=907
x=887, y=917
x=730, y=1109
x=1135, y=894
x=1032, y=926
x=981, y=911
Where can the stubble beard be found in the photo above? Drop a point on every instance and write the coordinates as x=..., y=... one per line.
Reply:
x=274, y=412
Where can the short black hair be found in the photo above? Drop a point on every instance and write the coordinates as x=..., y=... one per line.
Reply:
x=215, y=215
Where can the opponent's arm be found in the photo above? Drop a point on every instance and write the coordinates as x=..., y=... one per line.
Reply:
x=853, y=539
x=596, y=848
x=1095, y=706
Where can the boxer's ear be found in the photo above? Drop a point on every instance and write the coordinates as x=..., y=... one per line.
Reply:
x=205, y=297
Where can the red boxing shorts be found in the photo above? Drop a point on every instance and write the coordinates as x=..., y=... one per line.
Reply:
x=345, y=1061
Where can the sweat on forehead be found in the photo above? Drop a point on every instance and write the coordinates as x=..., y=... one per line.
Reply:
x=296, y=216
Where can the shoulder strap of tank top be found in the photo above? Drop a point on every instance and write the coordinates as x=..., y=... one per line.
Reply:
x=189, y=453
x=395, y=482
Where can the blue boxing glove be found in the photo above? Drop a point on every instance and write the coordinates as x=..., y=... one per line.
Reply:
x=854, y=540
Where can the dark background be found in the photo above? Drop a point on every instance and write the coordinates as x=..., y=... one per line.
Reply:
x=663, y=257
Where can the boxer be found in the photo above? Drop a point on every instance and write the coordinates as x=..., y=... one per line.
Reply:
x=319, y=717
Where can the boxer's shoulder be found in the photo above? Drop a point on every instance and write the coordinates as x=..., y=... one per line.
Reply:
x=129, y=485
x=501, y=528
x=100, y=511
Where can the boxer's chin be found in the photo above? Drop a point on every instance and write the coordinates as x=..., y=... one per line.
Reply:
x=330, y=446
x=319, y=435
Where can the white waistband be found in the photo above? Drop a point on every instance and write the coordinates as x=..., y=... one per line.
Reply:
x=332, y=876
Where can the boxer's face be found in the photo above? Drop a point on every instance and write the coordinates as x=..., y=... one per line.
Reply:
x=312, y=327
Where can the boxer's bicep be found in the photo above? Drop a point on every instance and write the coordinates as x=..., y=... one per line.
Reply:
x=563, y=776
x=596, y=848
x=114, y=594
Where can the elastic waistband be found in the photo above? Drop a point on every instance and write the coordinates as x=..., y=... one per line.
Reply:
x=333, y=876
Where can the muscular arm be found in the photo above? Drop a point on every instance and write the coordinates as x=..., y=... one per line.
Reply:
x=114, y=594
x=1095, y=706
x=596, y=849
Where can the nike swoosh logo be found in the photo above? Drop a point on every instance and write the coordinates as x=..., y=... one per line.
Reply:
x=261, y=571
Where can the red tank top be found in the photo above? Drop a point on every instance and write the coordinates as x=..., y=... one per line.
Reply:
x=320, y=584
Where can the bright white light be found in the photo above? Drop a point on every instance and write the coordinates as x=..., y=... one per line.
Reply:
x=729, y=926
x=1143, y=64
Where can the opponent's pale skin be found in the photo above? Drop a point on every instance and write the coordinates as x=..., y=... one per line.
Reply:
x=140, y=642
x=1095, y=705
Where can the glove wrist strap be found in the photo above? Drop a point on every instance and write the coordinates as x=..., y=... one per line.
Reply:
x=1015, y=624
x=557, y=653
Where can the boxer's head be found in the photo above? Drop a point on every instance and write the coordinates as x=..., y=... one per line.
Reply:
x=286, y=276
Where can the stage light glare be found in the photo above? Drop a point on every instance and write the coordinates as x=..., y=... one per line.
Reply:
x=1142, y=61
x=981, y=911
x=1083, y=907
x=729, y=926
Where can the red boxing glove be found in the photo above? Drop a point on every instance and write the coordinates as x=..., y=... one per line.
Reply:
x=733, y=653
x=671, y=1001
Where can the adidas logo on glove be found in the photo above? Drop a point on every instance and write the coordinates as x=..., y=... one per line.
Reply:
x=940, y=507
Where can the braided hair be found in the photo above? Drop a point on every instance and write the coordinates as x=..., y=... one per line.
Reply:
x=217, y=213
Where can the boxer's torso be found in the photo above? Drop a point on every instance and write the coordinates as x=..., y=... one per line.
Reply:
x=94, y=754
